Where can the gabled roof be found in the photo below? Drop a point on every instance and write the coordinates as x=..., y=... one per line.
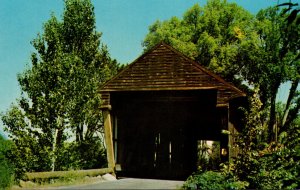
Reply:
x=164, y=68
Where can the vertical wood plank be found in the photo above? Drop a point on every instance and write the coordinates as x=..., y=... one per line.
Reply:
x=224, y=140
x=108, y=139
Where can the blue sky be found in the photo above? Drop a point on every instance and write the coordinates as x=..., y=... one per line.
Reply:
x=124, y=24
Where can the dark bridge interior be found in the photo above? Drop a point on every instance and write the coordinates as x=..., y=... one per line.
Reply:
x=156, y=132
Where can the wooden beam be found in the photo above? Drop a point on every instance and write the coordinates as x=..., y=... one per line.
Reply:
x=58, y=174
x=108, y=139
x=106, y=107
x=224, y=137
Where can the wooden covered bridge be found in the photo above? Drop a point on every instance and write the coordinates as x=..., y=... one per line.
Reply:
x=156, y=110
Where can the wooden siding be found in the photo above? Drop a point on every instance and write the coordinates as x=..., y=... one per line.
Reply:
x=164, y=68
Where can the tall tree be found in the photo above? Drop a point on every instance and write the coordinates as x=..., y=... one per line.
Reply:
x=278, y=63
x=219, y=35
x=59, y=89
x=261, y=51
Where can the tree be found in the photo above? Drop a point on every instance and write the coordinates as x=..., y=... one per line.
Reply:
x=293, y=21
x=293, y=8
x=59, y=89
x=219, y=36
x=273, y=162
x=278, y=63
x=261, y=51
x=266, y=165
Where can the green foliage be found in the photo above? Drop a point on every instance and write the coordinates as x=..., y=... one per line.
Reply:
x=275, y=167
x=267, y=165
x=219, y=36
x=278, y=63
x=294, y=10
x=6, y=168
x=28, y=151
x=261, y=51
x=208, y=156
x=83, y=155
x=269, y=143
x=59, y=95
x=259, y=164
x=6, y=175
x=211, y=180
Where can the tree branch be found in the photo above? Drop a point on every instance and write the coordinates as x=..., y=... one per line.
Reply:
x=293, y=114
x=292, y=93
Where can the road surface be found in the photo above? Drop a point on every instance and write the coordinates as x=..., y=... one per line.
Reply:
x=131, y=183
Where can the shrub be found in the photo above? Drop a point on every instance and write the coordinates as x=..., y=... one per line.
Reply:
x=6, y=174
x=211, y=180
x=88, y=154
x=266, y=165
x=6, y=169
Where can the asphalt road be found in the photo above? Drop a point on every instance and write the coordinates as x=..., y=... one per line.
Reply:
x=131, y=183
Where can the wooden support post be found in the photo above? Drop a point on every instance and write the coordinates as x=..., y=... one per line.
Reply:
x=224, y=137
x=108, y=138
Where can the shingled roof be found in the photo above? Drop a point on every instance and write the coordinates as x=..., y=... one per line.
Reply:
x=164, y=68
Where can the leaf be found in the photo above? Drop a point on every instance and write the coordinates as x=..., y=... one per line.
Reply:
x=285, y=11
x=225, y=132
x=298, y=56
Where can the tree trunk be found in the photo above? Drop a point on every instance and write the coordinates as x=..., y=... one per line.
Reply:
x=292, y=114
x=57, y=139
x=272, y=122
x=292, y=93
x=53, y=150
x=79, y=133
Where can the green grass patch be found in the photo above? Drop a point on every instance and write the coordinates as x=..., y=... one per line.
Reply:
x=65, y=181
x=61, y=178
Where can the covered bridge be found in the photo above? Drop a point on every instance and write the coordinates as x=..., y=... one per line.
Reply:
x=158, y=108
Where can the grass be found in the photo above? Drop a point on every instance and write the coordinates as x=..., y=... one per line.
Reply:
x=57, y=183
x=61, y=178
